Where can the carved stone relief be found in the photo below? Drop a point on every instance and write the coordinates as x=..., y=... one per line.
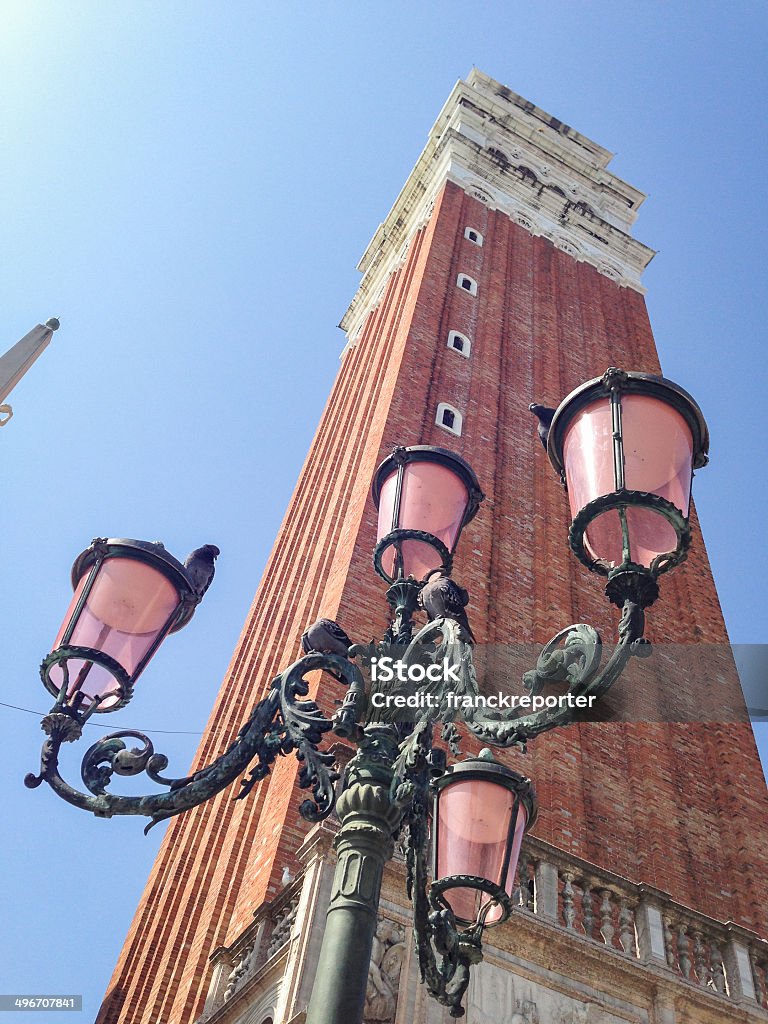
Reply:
x=383, y=980
x=567, y=246
x=498, y=997
x=481, y=195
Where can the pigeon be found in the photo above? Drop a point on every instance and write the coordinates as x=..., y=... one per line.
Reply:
x=200, y=568
x=325, y=637
x=545, y=415
x=442, y=597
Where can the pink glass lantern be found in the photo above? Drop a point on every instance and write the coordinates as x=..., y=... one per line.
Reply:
x=128, y=596
x=480, y=813
x=424, y=497
x=626, y=446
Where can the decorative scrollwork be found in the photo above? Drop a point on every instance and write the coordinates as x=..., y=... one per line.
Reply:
x=111, y=755
x=441, y=642
x=624, y=499
x=574, y=663
x=396, y=538
x=60, y=658
x=281, y=723
x=573, y=656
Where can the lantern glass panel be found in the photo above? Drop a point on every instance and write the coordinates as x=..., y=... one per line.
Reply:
x=127, y=608
x=603, y=537
x=473, y=828
x=658, y=455
x=658, y=449
x=511, y=881
x=387, y=505
x=588, y=455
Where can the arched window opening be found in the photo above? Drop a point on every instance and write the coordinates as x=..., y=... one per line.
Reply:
x=449, y=419
x=467, y=283
x=459, y=343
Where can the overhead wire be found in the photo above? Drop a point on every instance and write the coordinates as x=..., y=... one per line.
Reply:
x=100, y=725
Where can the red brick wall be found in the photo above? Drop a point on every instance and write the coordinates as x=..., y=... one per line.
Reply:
x=648, y=801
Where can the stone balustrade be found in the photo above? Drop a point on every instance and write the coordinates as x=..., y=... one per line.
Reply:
x=262, y=940
x=642, y=922
x=636, y=920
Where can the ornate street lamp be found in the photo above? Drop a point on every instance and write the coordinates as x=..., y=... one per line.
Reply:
x=424, y=496
x=625, y=445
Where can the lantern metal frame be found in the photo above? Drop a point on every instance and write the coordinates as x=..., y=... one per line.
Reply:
x=628, y=578
x=483, y=768
x=397, y=460
x=89, y=563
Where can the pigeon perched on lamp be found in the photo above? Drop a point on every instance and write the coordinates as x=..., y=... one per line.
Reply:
x=200, y=567
x=442, y=597
x=544, y=414
x=325, y=637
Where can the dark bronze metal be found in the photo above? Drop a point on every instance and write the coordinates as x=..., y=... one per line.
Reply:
x=387, y=784
x=279, y=724
x=395, y=539
x=62, y=655
x=151, y=552
x=622, y=500
x=403, y=599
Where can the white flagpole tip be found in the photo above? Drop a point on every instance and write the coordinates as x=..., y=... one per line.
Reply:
x=53, y=323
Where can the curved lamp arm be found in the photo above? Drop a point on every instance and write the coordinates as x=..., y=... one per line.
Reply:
x=278, y=725
x=572, y=656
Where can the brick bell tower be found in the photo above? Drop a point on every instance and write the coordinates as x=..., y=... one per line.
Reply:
x=505, y=273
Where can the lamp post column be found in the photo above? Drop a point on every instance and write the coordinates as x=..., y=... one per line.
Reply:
x=369, y=818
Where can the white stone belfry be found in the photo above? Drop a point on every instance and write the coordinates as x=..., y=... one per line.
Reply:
x=507, y=153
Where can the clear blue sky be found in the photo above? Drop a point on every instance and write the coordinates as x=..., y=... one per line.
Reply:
x=189, y=187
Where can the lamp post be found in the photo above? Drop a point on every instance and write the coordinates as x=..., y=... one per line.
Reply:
x=625, y=445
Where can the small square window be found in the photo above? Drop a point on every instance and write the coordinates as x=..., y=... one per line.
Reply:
x=473, y=235
x=449, y=418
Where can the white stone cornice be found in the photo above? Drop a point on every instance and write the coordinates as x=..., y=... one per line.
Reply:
x=517, y=159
